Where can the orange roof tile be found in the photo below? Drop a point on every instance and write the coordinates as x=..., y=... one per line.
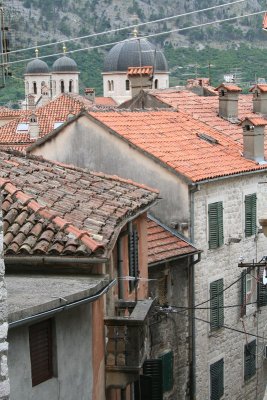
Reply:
x=256, y=121
x=229, y=87
x=261, y=86
x=105, y=101
x=180, y=142
x=164, y=245
x=137, y=71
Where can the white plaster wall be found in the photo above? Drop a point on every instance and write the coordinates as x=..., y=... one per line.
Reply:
x=66, y=77
x=120, y=94
x=222, y=263
x=38, y=78
x=74, y=376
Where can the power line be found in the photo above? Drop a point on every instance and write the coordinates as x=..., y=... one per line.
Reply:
x=211, y=308
x=144, y=37
x=129, y=27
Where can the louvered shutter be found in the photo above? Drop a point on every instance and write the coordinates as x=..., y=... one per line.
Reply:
x=143, y=388
x=167, y=370
x=243, y=292
x=261, y=291
x=40, y=340
x=153, y=368
x=216, y=304
x=217, y=380
x=215, y=211
x=133, y=257
x=250, y=214
x=250, y=360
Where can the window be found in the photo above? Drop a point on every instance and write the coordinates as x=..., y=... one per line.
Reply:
x=246, y=290
x=249, y=360
x=112, y=86
x=217, y=380
x=40, y=339
x=34, y=87
x=261, y=290
x=153, y=369
x=133, y=257
x=250, y=214
x=215, y=211
x=167, y=371
x=109, y=86
x=127, y=84
x=70, y=86
x=62, y=87
x=216, y=304
x=156, y=83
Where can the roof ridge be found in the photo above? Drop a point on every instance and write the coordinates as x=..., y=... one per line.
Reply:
x=46, y=213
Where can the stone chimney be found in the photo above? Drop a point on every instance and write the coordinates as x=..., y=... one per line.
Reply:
x=90, y=94
x=259, y=98
x=31, y=102
x=140, y=78
x=253, y=138
x=45, y=95
x=34, y=128
x=228, y=100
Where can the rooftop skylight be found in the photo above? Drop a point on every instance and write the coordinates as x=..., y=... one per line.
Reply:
x=207, y=138
x=22, y=127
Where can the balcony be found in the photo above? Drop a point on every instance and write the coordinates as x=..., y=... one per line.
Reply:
x=127, y=343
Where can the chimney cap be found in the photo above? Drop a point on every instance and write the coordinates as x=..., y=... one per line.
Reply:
x=255, y=121
x=262, y=87
x=229, y=87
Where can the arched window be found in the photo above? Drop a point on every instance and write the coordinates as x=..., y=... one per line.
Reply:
x=62, y=87
x=127, y=84
x=112, y=86
x=34, y=88
x=109, y=86
x=156, y=83
x=33, y=118
x=70, y=86
x=27, y=87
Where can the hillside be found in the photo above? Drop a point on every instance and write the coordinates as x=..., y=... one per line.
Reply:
x=228, y=47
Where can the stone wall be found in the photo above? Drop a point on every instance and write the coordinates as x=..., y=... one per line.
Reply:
x=4, y=380
x=223, y=263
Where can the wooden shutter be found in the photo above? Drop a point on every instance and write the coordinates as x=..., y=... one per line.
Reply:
x=216, y=304
x=217, y=380
x=250, y=214
x=167, y=371
x=153, y=368
x=243, y=292
x=261, y=291
x=250, y=359
x=215, y=211
x=143, y=388
x=40, y=339
x=133, y=257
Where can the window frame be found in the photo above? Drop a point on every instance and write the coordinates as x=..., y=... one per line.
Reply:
x=215, y=225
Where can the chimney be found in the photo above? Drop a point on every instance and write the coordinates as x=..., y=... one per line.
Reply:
x=34, y=128
x=253, y=138
x=228, y=100
x=140, y=78
x=31, y=102
x=45, y=95
x=259, y=98
x=90, y=94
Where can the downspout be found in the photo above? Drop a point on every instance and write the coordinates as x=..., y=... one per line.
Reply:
x=191, y=283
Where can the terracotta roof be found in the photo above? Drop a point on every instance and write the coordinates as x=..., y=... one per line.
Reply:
x=164, y=245
x=137, y=71
x=9, y=112
x=49, y=208
x=229, y=87
x=256, y=121
x=190, y=147
x=261, y=86
x=105, y=101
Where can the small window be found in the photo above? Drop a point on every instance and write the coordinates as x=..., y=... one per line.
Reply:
x=62, y=86
x=34, y=87
x=216, y=305
x=217, y=380
x=133, y=258
x=112, y=86
x=250, y=360
x=109, y=86
x=250, y=215
x=127, y=84
x=222, y=92
x=246, y=290
x=156, y=83
x=215, y=211
x=70, y=86
x=40, y=339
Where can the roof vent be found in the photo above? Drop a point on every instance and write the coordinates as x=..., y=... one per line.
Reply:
x=207, y=138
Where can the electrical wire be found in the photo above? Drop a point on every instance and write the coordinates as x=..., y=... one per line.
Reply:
x=128, y=27
x=211, y=308
x=143, y=37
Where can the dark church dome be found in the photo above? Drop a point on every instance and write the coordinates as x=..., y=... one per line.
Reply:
x=127, y=54
x=64, y=64
x=37, y=66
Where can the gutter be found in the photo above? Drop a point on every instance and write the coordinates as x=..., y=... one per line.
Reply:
x=56, y=310
x=219, y=178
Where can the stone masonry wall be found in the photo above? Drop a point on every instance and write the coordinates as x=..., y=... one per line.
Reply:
x=223, y=263
x=4, y=380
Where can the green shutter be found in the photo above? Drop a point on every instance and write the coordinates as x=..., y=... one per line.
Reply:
x=250, y=214
x=216, y=380
x=153, y=368
x=250, y=359
x=167, y=370
x=261, y=291
x=215, y=211
x=243, y=292
x=216, y=304
x=133, y=257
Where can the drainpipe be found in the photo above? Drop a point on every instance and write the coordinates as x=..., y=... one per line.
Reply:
x=191, y=283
